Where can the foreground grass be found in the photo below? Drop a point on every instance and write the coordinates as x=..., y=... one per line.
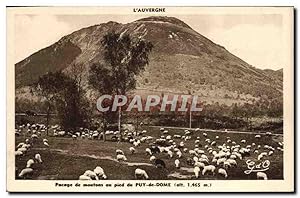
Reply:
x=67, y=158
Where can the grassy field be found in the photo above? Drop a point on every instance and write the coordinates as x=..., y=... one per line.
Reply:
x=67, y=159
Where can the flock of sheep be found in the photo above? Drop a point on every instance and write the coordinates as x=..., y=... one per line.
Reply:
x=214, y=158
x=23, y=147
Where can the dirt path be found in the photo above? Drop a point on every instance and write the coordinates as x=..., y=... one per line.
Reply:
x=219, y=131
x=66, y=152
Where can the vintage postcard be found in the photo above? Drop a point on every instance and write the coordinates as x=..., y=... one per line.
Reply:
x=150, y=99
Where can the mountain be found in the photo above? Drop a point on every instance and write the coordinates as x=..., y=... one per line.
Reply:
x=182, y=61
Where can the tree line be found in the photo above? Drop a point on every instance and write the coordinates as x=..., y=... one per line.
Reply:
x=125, y=58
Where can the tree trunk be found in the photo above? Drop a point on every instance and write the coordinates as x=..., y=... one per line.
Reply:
x=119, y=123
x=47, y=122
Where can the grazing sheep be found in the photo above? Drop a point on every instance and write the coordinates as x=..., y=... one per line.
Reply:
x=196, y=171
x=38, y=158
x=177, y=163
x=261, y=175
x=257, y=136
x=232, y=162
x=148, y=151
x=132, y=150
x=140, y=174
x=100, y=172
x=199, y=164
x=20, y=145
x=136, y=143
x=29, y=163
x=23, y=150
x=46, y=144
x=170, y=153
x=152, y=158
x=84, y=177
x=119, y=152
x=121, y=157
x=91, y=174
x=222, y=172
x=74, y=137
x=221, y=160
x=179, y=154
x=195, y=159
x=26, y=172
x=165, y=132
x=205, y=134
x=260, y=156
x=18, y=153
x=209, y=168
x=269, y=133
x=270, y=153
x=192, y=152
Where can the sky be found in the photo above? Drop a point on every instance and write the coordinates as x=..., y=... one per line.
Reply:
x=257, y=39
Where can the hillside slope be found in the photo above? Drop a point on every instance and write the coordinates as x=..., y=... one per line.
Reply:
x=182, y=61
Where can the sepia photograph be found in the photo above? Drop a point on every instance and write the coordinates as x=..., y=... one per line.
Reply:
x=150, y=98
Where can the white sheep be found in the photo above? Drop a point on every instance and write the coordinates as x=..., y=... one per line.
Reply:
x=170, y=153
x=38, y=158
x=177, y=163
x=152, y=158
x=26, y=172
x=20, y=145
x=209, y=168
x=18, y=153
x=136, y=143
x=46, y=144
x=132, y=150
x=140, y=174
x=195, y=158
x=268, y=133
x=100, y=172
x=205, y=134
x=23, y=150
x=232, y=162
x=260, y=156
x=29, y=163
x=221, y=160
x=119, y=152
x=179, y=154
x=261, y=175
x=148, y=151
x=84, y=177
x=199, y=164
x=196, y=171
x=222, y=172
x=121, y=157
x=257, y=136
x=91, y=174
